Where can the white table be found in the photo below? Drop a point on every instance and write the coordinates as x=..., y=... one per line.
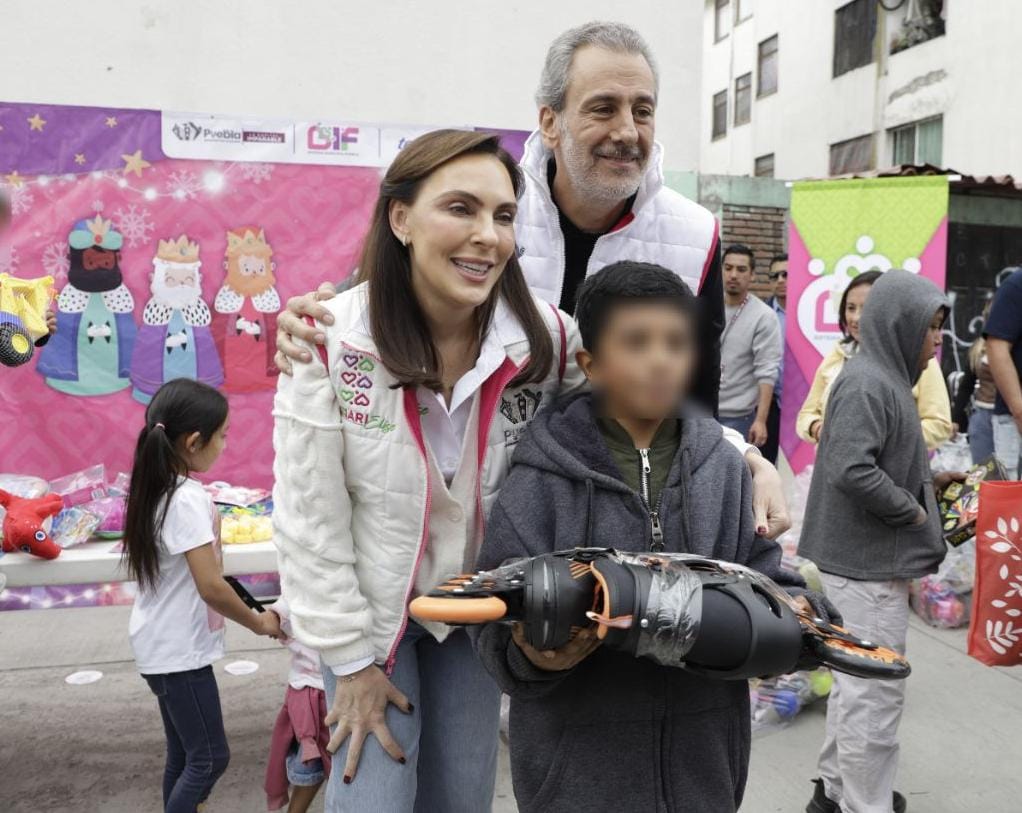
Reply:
x=94, y=562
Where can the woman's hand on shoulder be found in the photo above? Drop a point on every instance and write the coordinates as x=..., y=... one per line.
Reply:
x=291, y=325
x=768, y=502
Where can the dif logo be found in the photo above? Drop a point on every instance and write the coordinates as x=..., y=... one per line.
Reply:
x=324, y=138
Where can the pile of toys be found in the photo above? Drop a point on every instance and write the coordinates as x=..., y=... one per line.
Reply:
x=42, y=519
x=776, y=701
x=245, y=513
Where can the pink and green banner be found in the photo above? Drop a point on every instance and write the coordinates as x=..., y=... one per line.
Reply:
x=840, y=229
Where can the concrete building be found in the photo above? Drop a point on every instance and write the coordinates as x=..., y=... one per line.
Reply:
x=811, y=88
x=447, y=62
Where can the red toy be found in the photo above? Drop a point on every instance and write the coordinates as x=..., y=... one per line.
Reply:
x=25, y=526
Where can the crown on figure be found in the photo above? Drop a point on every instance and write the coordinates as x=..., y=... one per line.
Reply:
x=181, y=250
x=247, y=240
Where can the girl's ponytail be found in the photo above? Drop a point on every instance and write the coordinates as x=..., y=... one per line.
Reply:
x=180, y=408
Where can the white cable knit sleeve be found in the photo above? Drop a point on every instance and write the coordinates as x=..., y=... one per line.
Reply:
x=312, y=519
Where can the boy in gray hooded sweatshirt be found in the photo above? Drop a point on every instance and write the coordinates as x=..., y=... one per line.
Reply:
x=591, y=728
x=871, y=525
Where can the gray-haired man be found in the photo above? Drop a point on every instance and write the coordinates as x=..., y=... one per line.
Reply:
x=595, y=195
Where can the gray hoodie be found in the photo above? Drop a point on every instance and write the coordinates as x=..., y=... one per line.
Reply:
x=872, y=469
x=620, y=733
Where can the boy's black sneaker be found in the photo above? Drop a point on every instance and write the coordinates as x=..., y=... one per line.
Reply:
x=821, y=803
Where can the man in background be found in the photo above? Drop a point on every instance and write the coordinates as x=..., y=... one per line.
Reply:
x=1003, y=334
x=750, y=351
x=779, y=302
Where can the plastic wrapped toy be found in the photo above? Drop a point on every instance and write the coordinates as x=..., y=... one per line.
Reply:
x=82, y=486
x=716, y=618
x=109, y=513
x=243, y=528
x=23, y=305
x=27, y=523
x=959, y=502
x=74, y=526
x=776, y=701
x=944, y=599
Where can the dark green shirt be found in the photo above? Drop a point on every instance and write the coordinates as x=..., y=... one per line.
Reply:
x=630, y=460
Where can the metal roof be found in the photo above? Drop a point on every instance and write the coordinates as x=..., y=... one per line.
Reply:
x=979, y=184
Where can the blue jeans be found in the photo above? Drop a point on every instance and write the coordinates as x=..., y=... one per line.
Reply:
x=197, y=752
x=981, y=434
x=449, y=740
x=741, y=423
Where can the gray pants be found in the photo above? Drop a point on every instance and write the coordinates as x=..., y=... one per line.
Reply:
x=859, y=759
x=1007, y=445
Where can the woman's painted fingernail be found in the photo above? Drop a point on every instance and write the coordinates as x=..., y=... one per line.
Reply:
x=411, y=708
x=761, y=530
x=347, y=779
x=402, y=760
x=320, y=338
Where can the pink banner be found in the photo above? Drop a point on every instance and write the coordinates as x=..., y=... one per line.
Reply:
x=840, y=229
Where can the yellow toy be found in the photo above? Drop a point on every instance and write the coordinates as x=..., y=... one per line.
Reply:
x=23, y=306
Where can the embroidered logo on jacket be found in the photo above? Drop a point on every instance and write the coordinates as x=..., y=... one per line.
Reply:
x=355, y=391
x=518, y=408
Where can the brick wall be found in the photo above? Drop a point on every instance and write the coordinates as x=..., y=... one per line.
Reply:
x=761, y=228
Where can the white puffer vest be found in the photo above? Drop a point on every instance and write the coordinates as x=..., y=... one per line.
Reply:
x=664, y=227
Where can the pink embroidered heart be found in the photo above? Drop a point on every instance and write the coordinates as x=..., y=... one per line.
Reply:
x=361, y=400
x=349, y=377
x=365, y=383
x=350, y=359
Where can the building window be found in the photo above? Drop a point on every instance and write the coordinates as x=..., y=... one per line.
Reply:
x=720, y=114
x=765, y=166
x=721, y=19
x=743, y=10
x=918, y=143
x=923, y=21
x=855, y=26
x=743, y=99
x=767, y=71
x=853, y=155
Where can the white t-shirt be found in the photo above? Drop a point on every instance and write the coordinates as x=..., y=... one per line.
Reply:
x=171, y=628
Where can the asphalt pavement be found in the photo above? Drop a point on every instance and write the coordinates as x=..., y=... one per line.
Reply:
x=98, y=748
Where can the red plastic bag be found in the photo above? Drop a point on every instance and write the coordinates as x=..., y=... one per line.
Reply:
x=995, y=629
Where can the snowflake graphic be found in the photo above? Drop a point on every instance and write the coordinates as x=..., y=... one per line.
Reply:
x=183, y=184
x=257, y=173
x=55, y=261
x=20, y=196
x=134, y=223
x=9, y=260
x=97, y=205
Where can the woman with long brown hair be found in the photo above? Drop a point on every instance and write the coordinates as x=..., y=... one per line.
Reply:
x=390, y=448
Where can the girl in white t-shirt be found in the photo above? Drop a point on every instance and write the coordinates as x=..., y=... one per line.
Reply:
x=172, y=549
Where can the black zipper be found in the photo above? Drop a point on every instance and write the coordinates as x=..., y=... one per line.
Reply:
x=657, y=543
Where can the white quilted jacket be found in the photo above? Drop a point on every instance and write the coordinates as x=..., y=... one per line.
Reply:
x=352, y=494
